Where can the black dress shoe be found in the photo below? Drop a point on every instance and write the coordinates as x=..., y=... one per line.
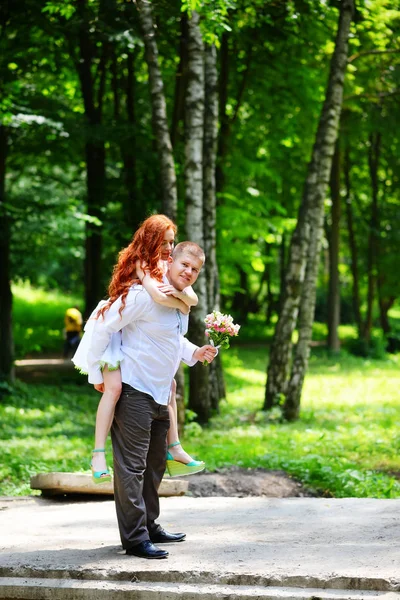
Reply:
x=146, y=549
x=163, y=537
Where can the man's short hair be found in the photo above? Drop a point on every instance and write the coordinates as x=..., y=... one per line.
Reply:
x=188, y=248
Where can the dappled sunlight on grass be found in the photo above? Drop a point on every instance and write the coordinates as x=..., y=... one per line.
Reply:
x=37, y=330
x=349, y=425
x=345, y=443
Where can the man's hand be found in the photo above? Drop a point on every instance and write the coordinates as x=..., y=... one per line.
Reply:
x=99, y=387
x=207, y=353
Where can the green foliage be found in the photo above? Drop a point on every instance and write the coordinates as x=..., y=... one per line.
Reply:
x=373, y=348
x=277, y=56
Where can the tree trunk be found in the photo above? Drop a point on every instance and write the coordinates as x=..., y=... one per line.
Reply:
x=209, y=161
x=224, y=119
x=159, y=111
x=199, y=391
x=6, y=336
x=210, y=203
x=180, y=81
x=334, y=243
x=352, y=244
x=305, y=245
x=94, y=154
x=373, y=162
x=282, y=272
x=95, y=180
x=385, y=304
x=134, y=209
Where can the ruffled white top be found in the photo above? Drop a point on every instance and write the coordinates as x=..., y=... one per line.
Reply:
x=112, y=356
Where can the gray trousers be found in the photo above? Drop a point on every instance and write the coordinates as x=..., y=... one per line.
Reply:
x=139, y=439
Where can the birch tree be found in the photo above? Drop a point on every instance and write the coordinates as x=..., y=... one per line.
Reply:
x=217, y=388
x=199, y=392
x=159, y=111
x=300, y=282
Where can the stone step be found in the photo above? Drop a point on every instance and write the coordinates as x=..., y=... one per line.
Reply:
x=53, y=484
x=15, y=588
x=153, y=572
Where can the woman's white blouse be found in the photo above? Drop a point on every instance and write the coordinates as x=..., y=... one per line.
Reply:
x=152, y=343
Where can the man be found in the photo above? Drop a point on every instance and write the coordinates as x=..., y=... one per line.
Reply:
x=153, y=346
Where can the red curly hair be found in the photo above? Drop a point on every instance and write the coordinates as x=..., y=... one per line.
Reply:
x=145, y=247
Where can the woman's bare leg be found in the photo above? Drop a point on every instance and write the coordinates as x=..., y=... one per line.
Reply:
x=177, y=452
x=105, y=415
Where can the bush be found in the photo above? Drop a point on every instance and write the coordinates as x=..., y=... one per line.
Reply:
x=374, y=348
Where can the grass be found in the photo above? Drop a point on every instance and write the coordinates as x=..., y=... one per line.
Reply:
x=38, y=320
x=346, y=443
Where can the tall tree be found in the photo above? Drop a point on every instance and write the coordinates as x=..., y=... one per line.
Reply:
x=159, y=111
x=374, y=150
x=217, y=387
x=352, y=242
x=199, y=391
x=90, y=52
x=305, y=245
x=334, y=245
x=6, y=338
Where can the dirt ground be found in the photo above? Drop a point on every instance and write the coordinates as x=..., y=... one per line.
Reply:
x=241, y=482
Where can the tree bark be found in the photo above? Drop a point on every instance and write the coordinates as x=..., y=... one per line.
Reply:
x=94, y=155
x=352, y=244
x=334, y=245
x=306, y=240
x=373, y=162
x=224, y=119
x=209, y=163
x=210, y=205
x=180, y=81
x=6, y=336
x=282, y=272
x=199, y=390
x=134, y=210
x=159, y=111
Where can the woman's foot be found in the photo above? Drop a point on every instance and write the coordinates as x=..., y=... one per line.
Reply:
x=180, y=463
x=100, y=473
x=177, y=452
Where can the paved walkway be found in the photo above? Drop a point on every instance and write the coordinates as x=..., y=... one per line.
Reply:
x=289, y=544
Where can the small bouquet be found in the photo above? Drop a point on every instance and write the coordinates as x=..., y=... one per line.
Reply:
x=219, y=328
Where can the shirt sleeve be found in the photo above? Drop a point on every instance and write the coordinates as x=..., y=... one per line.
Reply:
x=137, y=304
x=188, y=350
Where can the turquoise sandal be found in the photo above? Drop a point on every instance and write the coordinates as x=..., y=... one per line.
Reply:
x=100, y=476
x=179, y=469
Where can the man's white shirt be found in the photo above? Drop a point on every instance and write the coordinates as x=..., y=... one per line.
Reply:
x=153, y=343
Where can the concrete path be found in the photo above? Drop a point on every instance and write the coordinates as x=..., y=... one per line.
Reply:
x=236, y=548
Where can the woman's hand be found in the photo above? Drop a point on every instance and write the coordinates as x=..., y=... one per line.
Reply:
x=167, y=289
x=205, y=353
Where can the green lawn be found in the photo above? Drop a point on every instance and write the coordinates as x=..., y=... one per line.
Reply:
x=38, y=320
x=345, y=444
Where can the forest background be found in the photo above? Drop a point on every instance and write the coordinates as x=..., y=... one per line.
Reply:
x=267, y=129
